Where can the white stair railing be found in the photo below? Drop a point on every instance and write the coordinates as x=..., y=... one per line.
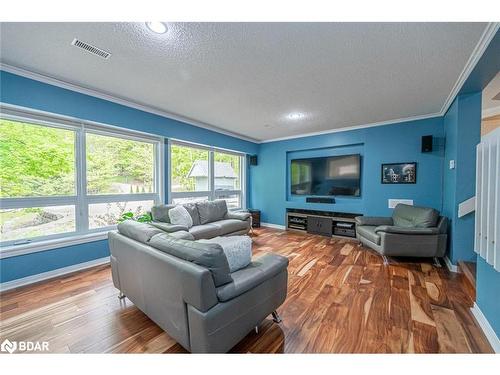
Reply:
x=487, y=221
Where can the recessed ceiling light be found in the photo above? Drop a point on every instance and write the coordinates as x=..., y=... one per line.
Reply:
x=295, y=116
x=157, y=27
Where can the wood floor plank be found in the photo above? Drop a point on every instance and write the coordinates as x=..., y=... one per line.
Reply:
x=341, y=299
x=451, y=336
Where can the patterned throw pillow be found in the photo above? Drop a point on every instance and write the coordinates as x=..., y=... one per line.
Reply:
x=180, y=216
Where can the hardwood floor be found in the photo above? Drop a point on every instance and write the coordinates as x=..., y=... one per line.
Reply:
x=341, y=299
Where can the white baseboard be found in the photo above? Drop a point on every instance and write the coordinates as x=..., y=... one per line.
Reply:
x=51, y=274
x=275, y=226
x=451, y=267
x=486, y=327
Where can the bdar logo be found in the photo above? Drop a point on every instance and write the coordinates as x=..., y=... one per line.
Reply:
x=8, y=346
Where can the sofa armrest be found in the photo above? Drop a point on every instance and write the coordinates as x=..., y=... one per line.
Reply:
x=373, y=220
x=241, y=215
x=257, y=272
x=169, y=228
x=402, y=230
x=198, y=288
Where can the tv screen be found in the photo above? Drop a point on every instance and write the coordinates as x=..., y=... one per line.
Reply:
x=334, y=175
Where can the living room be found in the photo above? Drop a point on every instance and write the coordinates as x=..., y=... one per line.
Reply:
x=218, y=187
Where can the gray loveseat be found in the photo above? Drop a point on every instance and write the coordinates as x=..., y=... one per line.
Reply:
x=210, y=219
x=186, y=287
x=411, y=231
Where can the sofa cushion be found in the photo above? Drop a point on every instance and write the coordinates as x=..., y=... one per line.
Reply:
x=238, y=250
x=180, y=216
x=193, y=211
x=182, y=235
x=160, y=212
x=205, y=231
x=208, y=255
x=257, y=272
x=368, y=232
x=240, y=215
x=230, y=225
x=141, y=232
x=414, y=217
x=211, y=211
x=167, y=227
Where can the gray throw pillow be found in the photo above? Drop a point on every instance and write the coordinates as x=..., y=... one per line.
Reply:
x=193, y=211
x=212, y=211
x=160, y=212
x=210, y=256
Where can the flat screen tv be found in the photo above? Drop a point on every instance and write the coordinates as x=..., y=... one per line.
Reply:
x=323, y=176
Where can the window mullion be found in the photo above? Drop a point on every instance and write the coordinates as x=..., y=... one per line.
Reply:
x=243, y=182
x=82, y=218
x=211, y=174
x=14, y=203
x=169, y=172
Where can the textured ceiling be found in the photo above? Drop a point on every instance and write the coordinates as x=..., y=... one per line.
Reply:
x=246, y=77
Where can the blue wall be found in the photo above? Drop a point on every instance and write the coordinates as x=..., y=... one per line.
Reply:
x=29, y=93
x=487, y=287
x=399, y=142
x=31, y=264
x=462, y=127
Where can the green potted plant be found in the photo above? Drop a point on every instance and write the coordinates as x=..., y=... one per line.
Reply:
x=142, y=218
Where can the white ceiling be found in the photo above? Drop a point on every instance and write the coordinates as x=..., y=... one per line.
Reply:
x=246, y=77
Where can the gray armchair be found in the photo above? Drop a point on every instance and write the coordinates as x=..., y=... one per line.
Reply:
x=411, y=231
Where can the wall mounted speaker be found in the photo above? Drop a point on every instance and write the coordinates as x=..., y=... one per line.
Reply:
x=427, y=143
x=252, y=159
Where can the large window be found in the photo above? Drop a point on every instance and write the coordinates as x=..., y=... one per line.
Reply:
x=61, y=178
x=201, y=173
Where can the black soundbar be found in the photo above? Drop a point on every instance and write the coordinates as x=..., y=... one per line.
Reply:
x=320, y=200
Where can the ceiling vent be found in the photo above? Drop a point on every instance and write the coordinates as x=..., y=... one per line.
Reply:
x=91, y=49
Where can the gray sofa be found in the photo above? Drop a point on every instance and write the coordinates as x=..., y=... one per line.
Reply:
x=186, y=288
x=210, y=219
x=411, y=231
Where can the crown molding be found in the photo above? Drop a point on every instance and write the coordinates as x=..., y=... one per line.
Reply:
x=488, y=34
x=355, y=127
x=490, y=112
x=483, y=43
x=118, y=100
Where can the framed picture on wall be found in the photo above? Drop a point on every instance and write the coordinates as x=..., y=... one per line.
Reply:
x=399, y=173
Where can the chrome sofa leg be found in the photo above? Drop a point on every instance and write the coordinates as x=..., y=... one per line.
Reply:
x=386, y=260
x=276, y=317
x=360, y=244
x=121, y=295
x=256, y=330
x=437, y=263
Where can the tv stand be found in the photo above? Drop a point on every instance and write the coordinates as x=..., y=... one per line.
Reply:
x=326, y=223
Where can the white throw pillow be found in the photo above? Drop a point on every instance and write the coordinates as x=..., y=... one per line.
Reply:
x=238, y=250
x=180, y=216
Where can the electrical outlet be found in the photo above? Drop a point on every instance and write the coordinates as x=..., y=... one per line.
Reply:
x=452, y=164
x=393, y=202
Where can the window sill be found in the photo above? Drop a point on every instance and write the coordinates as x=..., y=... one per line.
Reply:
x=34, y=247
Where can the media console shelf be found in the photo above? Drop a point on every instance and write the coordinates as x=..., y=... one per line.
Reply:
x=322, y=222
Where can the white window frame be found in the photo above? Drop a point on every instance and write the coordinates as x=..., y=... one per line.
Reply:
x=212, y=194
x=81, y=200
